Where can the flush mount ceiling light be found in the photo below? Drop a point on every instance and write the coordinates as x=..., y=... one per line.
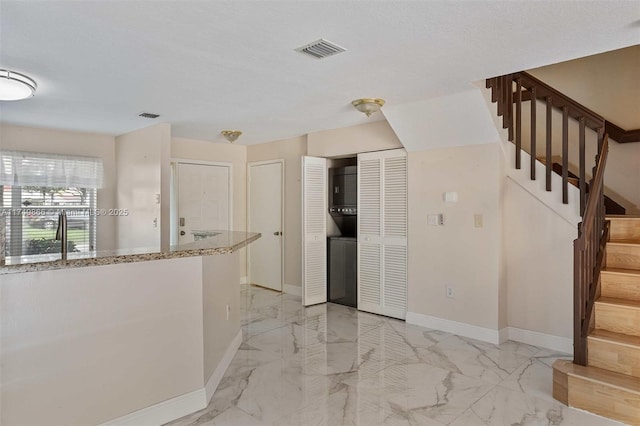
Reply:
x=231, y=135
x=15, y=86
x=367, y=105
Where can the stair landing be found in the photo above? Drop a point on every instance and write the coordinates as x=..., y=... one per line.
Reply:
x=607, y=393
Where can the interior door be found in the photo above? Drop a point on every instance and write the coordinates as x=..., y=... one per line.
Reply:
x=204, y=199
x=314, y=230
x=265, y=216
x=382, y=233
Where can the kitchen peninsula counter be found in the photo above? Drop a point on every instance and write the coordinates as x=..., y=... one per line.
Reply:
x=132, y=336
x=215, y=243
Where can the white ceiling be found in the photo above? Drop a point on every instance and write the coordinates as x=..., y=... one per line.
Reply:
x=208, y=66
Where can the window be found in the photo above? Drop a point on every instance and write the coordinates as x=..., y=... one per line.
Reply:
x=32, y=218
x=36, y=188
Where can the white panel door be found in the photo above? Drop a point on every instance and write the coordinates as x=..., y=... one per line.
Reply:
x=382, y=233
x=265, y=217
x=314, y=230
x=204, y=199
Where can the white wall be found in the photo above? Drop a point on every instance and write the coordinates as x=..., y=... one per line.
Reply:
x=539, y=256
x=452, y=120
x=142, y=161
x=219, y=290
x=456, y=254
x=73, y=143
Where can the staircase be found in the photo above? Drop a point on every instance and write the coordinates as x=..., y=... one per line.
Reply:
x=604, y=376
x=609, y=384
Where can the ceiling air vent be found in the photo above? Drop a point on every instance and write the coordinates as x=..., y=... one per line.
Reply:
x=321, y=49
x=148, y=115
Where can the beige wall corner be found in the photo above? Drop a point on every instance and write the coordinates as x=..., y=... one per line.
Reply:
x=54, y=141
x=457, y=254
x=375, y=136
x=291, y=151
x=143, y=186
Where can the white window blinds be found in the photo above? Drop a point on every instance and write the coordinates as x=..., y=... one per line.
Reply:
x=50, y=170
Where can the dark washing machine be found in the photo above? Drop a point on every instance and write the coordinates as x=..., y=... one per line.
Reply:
x=343, y=270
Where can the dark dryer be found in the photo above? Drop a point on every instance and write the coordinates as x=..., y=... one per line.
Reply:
x=343, y=250
x=343, y=270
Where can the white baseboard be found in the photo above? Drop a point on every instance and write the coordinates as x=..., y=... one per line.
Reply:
x=216, y=376
x=163, y=412
x=292, y=289
x=547, y=341
x=182, y=405
x=459, y=328
x=244, y=280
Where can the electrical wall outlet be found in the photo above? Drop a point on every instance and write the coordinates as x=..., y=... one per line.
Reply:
x=477, y=220
x=450, y=292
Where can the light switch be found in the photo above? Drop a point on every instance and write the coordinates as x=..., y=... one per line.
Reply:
x=451, y=197
x=477, y=220
x=435, y=219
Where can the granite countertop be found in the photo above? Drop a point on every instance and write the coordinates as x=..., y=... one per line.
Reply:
x=215, y=242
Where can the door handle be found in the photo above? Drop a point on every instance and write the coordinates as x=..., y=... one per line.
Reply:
x=277, y=233
x=182, y=232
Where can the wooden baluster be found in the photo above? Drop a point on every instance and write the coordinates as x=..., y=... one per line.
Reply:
x=582, y=178
x=505, y=101
x=565, y=155
x=518, y=123
x=499, y=96
x=533, y=132
x=548, y=150
x=600, y=139
x=579, y=348
x=494, y=89
x=510, y=108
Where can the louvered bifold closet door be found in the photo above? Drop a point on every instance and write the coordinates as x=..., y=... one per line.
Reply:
x=369, y=227
x=382, y=233
x=314, y=232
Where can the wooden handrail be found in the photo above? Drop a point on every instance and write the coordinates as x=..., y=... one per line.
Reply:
x=576, y=109
x=593, y=231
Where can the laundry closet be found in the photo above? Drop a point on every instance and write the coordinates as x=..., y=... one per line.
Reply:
x=355, y=231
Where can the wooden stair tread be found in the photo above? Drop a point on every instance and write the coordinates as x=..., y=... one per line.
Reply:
x=617, y=338
x=622, y=271
x=599, y=375
x=624, y=241
x=622, y=217
x=619, y=302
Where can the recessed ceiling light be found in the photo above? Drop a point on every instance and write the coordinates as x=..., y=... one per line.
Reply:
x=15, y=86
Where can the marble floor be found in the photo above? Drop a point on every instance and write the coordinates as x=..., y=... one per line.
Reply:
x=332, y=365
